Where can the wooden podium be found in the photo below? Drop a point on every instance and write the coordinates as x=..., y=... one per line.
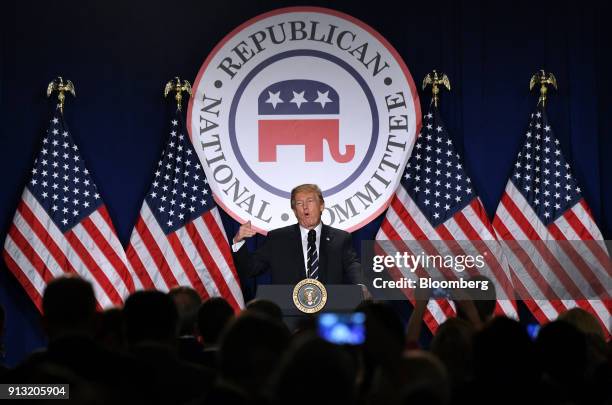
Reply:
x=340, y=298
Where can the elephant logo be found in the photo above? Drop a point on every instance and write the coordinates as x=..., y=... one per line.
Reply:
x=287, y=111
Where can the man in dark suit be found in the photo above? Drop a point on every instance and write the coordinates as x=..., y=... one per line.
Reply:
x=307, y=249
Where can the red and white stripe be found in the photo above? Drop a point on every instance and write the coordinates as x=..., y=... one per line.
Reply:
x=196, y=255
x=468, y=230
x=36, y=251
x=555, y=276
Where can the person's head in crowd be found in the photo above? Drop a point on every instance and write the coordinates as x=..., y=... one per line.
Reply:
x=425, y=380
x=385, y=339
x=69, y=307
x=187, y=301
x=562, y=352
x=587, y=323
x=503, y=354
x=452, y=343
x=316, y=371
x=598, y=355
x=250, y=349
x=417, y=378
x=110, y=329
x=266, y=307
x=150, y=316
x=584, y=321
x=214, y=314
x=484, y=300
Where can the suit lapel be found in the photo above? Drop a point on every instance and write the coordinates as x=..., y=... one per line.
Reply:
x=323, y=245
x=298, y=263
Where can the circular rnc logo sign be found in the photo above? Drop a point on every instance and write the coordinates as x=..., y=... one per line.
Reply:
x=304, y=95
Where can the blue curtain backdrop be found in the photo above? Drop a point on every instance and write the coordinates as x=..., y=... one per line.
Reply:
x=119, y=54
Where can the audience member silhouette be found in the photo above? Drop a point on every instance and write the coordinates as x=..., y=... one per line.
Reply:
x=69, y=308
x=266, y=307
x=187, y=302
x=251, y=348
x=213, y=316
x=316, y=371
x=110, y=330
x=564, y=371
x=598, y=369
x=384, y=343
x=69, y=313
x=503, y=358
x=422, y=380
x=586, y=323
x=452, y=344
x=152, y=331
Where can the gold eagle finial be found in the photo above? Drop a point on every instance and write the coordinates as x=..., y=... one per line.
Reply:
x=543, y=79
x=58, y=84
x=179, y=87
x=434, y=78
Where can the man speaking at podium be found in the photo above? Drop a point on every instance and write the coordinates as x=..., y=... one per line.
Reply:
x=308, y=249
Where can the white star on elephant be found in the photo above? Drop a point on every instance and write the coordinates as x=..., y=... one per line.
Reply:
x=298, y=99
x=323, y=98
x=274, y=99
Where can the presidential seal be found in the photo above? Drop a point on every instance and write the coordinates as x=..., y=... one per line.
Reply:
x=309, y=295
x=303, y=95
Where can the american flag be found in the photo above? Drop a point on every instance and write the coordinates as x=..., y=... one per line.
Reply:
x=436, y=201
x=178, y=239
x=543, y=204
x=62, y=226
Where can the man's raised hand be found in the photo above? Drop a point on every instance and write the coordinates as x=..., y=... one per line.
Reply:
x=245, y=231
